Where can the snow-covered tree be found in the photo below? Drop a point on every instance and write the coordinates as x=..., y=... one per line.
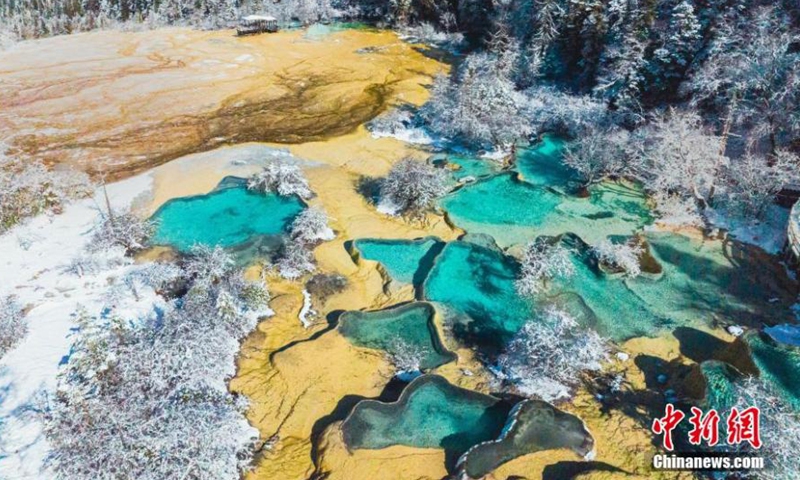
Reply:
x=779, y=429
x=571, y=115
x=753, y=181
x=547, y=356
x=207, y=264
x=620, y=76
x=677, y=154
x=620, y=256
x=599, y=154
x=480, y=105
x=294, y=261
x=677, y=209
x=146, y=397
x=282, y=178
x=541, y=261
x=752, y=75
x=28, y=188
x=12, y=324
x=310, y=227
x=122, y=229
x=412, y=186
x=680, y=44
x=547, y=19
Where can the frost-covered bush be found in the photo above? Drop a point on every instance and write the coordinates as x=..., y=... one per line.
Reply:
x=411, y=187
x=294, y=261
x=547, y=356
x=323, y=285
x=542, y=261
x=779, y=429
x=675, y=154
x=754, y=181
x=122, y=229
x=598, y=154
x=480, y=105
x=310, y=227
x=676, y=209
x=553, y=111
x=405, y=357
x=165, y=279
x=401, y=123
x=12, y=324
x=28, y=188
x=146, y=397
x=207, y=264
x=282, y=178
x=621, y=256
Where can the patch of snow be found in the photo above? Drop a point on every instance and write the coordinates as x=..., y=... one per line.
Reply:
x=497, y=154
x=735, y=330
x=306, y=311
x=622, y=356
x=769, y=233
x=414, y=135
x=387, y=207
x=35, y=260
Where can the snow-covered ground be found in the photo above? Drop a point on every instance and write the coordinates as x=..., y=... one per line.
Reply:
x=34, y=261
x=769, y=234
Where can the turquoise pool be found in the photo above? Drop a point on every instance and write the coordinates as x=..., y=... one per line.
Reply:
x=227, y=217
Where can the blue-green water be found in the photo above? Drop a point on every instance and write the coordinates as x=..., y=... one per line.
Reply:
x=514, y=211
x=702, y=283
x=541, y=164
x=407, y=261
x=616, y=312
x=431, y=413
x=227, y=217
x=536, y=426
x=780, y=365
x=412, y=325
x=469, y=166
x=476, y=287
x=710, y=281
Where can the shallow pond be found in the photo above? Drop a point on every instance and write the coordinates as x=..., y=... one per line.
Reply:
x=431, y=413
x=532, y=427
x=398, y=331
x=475, y=286
x=406, y=261
x=515, y=211
x=541, y=163
x=228, y=216
x=702, y=282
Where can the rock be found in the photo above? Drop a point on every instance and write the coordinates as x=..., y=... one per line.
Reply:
x=622, y=356
x=735, y=330
x=661, y=378
x=467, y=179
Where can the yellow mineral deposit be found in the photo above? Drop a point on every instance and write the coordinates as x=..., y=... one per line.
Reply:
x=117, y=103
